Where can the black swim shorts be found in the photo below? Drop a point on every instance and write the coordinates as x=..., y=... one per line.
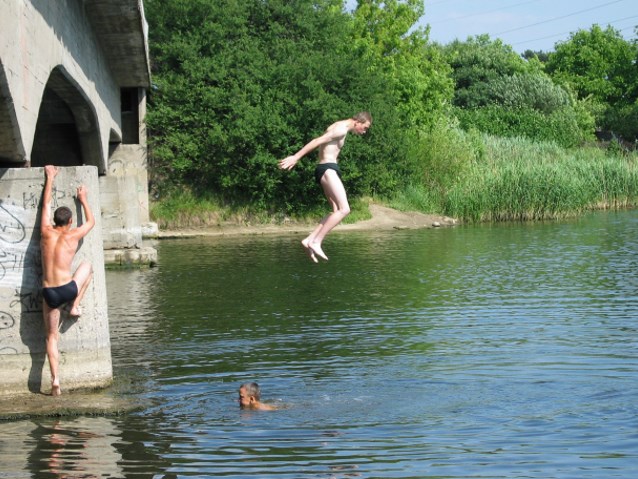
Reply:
x=59, y=295
x=322, y=168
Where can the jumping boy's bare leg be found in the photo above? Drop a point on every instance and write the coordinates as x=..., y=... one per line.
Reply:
x=336, y=194
x=310, y=242
x=51, y=325
x=82, y=278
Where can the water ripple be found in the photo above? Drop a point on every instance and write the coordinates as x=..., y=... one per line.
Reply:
x=505, y=351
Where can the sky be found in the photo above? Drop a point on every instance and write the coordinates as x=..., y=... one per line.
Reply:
x=525, y=24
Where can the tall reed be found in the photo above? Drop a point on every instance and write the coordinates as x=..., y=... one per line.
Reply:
x=517, y=179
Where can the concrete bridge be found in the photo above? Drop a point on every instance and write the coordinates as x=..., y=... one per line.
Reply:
x=73, y=81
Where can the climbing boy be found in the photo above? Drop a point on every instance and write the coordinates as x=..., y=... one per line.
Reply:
x=59, y=243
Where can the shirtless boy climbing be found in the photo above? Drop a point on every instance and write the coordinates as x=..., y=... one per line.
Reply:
x=58, y=244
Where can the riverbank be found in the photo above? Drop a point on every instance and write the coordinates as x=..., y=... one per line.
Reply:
x=72, y=403
x=383, y=218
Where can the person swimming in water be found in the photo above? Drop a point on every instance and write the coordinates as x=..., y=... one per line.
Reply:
x=250, y=398
x=328, y=176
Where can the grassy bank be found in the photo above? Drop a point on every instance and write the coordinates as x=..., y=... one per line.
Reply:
x=471, y=177
x=516, y=179
x=185, y=210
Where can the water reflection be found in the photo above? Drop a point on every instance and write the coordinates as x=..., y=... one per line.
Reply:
x=491, y=351
x=60, y=448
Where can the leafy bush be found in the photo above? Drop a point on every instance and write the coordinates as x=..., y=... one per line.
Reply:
x=535, y=91
x=475, y=64
x=565, y=126
x=241, y=84
x=600, y=66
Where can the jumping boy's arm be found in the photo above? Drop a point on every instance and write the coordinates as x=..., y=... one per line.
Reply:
x=331, y=134
x=50, y=172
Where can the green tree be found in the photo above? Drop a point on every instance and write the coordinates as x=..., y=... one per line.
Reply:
x=599, y=65
x=539, y=54
x=530, y=90
x=239, y=82
x=500, y=93
x=476, y=63
x=242, y=83
x=384, y=32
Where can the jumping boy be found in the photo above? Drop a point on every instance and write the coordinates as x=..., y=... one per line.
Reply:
x=328, y=176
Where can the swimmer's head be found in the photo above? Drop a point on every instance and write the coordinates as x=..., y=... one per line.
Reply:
x=249, y=395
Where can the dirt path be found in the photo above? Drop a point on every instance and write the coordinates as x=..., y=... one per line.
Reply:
x=383, y=218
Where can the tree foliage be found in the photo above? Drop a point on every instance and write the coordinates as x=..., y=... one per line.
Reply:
x=476, y=63
x=242, y=83
x=500, y=93
x=600, y=65
x=383, y=31
x=597, y=63
x=239, y=84
x=540, y=55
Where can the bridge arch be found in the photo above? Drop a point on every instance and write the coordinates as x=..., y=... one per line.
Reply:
x=67, y=131
x=11, y=148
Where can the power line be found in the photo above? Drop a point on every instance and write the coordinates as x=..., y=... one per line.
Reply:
x=483, y=13
x=608, y=5
x=567, y=33
x=558, y=18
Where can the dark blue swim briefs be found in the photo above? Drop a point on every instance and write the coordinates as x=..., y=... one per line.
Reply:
x=59, y=295
x=323, y=167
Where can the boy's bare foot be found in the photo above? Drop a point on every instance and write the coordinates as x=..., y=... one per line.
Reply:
x=309, y=252
x=55, y=389
x=316, y=249
x=311, y=255
x=76, y=312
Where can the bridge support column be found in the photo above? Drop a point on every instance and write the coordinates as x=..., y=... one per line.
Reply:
x=85, y=349
x=125, y=209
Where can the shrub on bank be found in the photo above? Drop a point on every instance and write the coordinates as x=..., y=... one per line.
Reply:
x=566, y=126
x=469, y=176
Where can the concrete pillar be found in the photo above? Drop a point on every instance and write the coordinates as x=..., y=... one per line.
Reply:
x=85, y=349
x=125, y=209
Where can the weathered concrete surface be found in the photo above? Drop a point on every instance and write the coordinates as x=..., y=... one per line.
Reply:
x=73, y=75
x=75, y=403
x=124, y=197
x=94, y=48
x=131, y=258
x=125, y=209
x=85, y=356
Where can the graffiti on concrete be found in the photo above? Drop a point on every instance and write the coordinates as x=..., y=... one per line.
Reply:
x=20, y=266
x=11, y=228
x=6, y=322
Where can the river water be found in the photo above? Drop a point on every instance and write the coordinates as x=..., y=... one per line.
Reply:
x=491, y=351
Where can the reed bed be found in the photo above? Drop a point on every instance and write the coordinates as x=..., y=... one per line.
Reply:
x=516, y=179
